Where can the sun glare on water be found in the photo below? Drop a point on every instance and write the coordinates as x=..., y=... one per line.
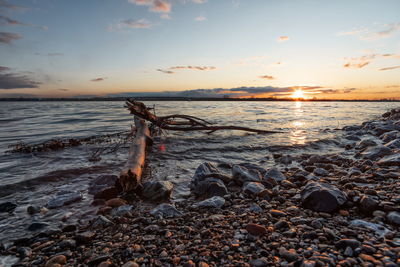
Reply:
x=298, y=94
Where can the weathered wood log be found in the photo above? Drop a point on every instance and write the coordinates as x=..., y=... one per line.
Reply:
x=179, y=122
x=131, y=175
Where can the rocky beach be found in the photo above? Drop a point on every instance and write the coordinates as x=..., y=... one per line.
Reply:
x=340, y=209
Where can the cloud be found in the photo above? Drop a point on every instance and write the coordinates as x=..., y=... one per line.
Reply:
x=365, y=34
x=63, y=89
x=9, y=37
x=100, y=79
x=159, y=6
x=9, y=80
x=199, y=1
x=283, y=38
x=166, y=71
x=165, y=16
x=268, y=77
x=6, y=21
x=200, y=18
x=132, y=24
x=6, y=4
x=390, y=68
x=360, y=62
x=192, y=68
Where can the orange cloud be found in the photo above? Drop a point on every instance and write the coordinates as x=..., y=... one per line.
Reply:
x=283, y=38
x=268, y=77
x=100, y=79
x=390, y=68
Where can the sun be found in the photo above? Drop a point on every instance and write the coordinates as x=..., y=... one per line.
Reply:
x=298, y=94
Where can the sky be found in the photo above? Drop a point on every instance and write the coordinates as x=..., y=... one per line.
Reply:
x=342, y=49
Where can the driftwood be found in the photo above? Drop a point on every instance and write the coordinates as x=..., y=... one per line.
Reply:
x=179, y=122
x=131, y=175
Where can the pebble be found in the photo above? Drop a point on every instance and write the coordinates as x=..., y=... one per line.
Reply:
x=56, y=261
x=256, y=229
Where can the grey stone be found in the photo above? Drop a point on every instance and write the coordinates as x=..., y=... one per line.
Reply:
x=320, y=172
x=253, y=188
x=259, y=263
x=275, y=174
x=394, y=144
x=63, y=198
x=157, y=190
x=122, y=211
x=7, y=207
x=393, y=160
x=206, y=181
x=368, y=204
x=376, y=152
x=102, y=182
x=243, y=175
x=214, y=202
x=37, y=226
x=101, y=221
x=394, y=217
x=365, y=143
x=377, y=228
x=322, y=197
x=166, y=211
x=389, y=136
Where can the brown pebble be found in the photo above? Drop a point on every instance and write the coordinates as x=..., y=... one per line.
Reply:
x=56, y=260
x=115, y=202
x=203, y=264
x=105, y=264
x=256, y=229
x=130, y=264
x=344, y=213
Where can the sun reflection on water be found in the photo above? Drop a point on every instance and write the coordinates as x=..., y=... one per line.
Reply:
x=298, y=135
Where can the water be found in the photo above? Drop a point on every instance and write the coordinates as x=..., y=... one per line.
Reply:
x=31, y=179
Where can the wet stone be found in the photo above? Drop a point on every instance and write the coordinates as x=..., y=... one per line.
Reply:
x=242, y=175
x=166, y=211
x=394, y=217
x=256, y=229
x=37, y=226
x=7, y=207
x=157, y=190
x=253, y=188
x=275, y=174
x=214, y=202
x=63, y=198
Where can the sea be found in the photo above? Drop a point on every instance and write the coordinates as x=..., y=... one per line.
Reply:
x=32, y=179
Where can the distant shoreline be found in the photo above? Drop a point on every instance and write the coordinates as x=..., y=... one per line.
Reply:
x=192, y=99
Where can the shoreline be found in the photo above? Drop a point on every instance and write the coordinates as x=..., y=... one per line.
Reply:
x=266, y=218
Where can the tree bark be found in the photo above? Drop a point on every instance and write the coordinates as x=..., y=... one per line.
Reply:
x=131, y=175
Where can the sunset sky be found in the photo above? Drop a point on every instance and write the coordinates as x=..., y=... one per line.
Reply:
x=342, y=49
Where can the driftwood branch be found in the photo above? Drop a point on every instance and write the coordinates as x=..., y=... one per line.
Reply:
x=131, y=175
x=182, y=122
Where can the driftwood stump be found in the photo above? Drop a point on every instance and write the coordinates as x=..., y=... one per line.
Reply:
x=131, y=175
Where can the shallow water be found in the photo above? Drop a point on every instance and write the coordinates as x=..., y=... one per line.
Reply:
x=31, y=179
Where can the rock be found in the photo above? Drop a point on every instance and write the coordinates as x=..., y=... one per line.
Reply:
x=322, y=197
x=206, y=181
x=368, y=204
x=122, y=211
x=394, y=144
x=214, y=202
x=69, y=228
x=320, y=172
x=157, y=190
x=24, y=252
x=106, y=263
x=59, y=259
x=277, y=213
x=102, y=182
x=115, y=202
x=256, y=209
x=275, y=174
x=365, y=143
x=281, y=224
x=243, y=175
x=394, y=217
x=378, y=229
x=33, y=209
x=289, y=255
x=7, y=207
x=256, y=229
x=63, y=198
x=346, y=242
x=389, y=136
x=392, y=160
x=107, y=193
x=37, y=226
x=130, y=264
x=101, y=221
x=376, y=152
x=85, y=237
x=253, y=188
x=165, y=211
x=259, y=263
x=67, y=244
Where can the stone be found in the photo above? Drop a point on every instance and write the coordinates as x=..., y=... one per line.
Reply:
x=243, y=175
x=322, y=197
x=365, y=143
x=275, y=174
x=130, y=264
x=320, y=172
x=157, y=190
x=262, y=262
x=122, y=211
x=102, y=182
x=394, y=144
x=64, y=198
x=115, y=202
x=85, y=237
x=7, y=207
x=165, y=211
x=256, y=229
x=33, y=209
x=392, y=160
x=253, y=188
x=67, y=244
x=37, y=226
x=214, y=202
x=389, y=136
x=346, y=242
x=101, y=221
x=107, y=193
x=59, y=259
x=24, y=252
x=377, y=228
x=394, y=217
x=289, y=255
x=376, y=152
x=368, y=204
x=206, y=181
